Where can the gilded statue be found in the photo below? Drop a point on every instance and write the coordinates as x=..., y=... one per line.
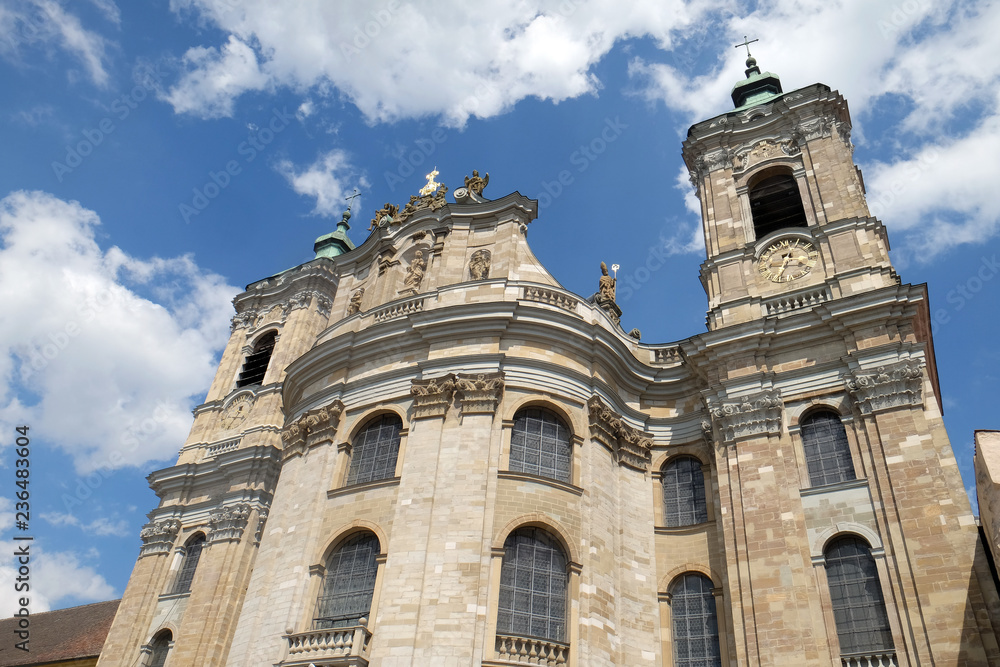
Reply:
x=606, y=286
x=432, y=185
x=477, y=184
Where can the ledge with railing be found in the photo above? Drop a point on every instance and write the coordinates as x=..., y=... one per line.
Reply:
x=876, y=659
x=330, y=647
x=530, y=651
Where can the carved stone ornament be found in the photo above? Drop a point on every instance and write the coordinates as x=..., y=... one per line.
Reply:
x=261, y=521
x=479, y=265
x=354, y=306
x=414, y=274
x=432, y=397
x=255, y=316
x=158, y=537
x=432, y=200
x=246, y=319
x=763, y=150
x=228, y=523
x=385, y=216
x=480, y=393
x=886, y=387
x=631, y=447
x=477, y=183
x=748, y=416
x=318, y=422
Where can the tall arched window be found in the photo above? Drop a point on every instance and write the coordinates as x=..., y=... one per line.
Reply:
x=695, y=625
x=349, y=583
x=856, y=595
x=533, y=586
x=192, y=553
x=775, y=204
x=160, y=646
x=828, y=454
x=255, y=366
x=540, y=445
x=683, y=492
x=374, y=450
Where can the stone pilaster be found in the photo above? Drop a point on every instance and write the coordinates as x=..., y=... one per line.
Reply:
x=630, y=446
x=479, y=394
x=886, y=387
x=432, y=397
x=747, y=416
x=158, y=537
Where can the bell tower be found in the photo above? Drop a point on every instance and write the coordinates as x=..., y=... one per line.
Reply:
x=783, y=204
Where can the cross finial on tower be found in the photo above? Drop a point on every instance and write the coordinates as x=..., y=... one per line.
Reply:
x=747, y=44
x=350, y=199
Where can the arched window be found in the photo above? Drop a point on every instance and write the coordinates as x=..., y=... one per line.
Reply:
x=160, y=646
x=775, y=204
x=540, y=445
x=255, y=366
x=374, y=450
x=533, y=586
x=695, y=625
x=349, y=583
x=858, y=605
x=683, y=492
x=192, y=553
x=828, y=454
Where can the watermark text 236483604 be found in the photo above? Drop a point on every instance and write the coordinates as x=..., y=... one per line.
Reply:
x=22, y=551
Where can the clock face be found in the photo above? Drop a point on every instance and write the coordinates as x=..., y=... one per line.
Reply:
x=236, y=412
x=785, y=260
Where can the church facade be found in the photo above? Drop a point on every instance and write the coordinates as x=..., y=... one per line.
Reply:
x=425, y=451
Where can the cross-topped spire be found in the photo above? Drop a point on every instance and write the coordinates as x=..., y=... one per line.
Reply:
x=747, y=44
x=350, y=199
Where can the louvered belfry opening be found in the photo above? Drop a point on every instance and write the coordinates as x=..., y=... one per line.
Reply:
x=775, y=204
x=256, y=363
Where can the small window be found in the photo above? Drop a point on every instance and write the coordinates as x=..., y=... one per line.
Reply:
x=349, y=584
x=856, y=597
x=683, y=492
x=694, y=620
x=540, y=445
x=192, y=553
x=255, y=366
x=775, y=204
x=160, y=646
x=828, y=454
x=374, y=451
x=533, y=586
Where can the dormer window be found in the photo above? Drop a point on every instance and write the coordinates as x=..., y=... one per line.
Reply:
x=255, y=366
x=775, y=204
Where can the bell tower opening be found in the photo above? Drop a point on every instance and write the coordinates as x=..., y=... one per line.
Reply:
x=775, y=204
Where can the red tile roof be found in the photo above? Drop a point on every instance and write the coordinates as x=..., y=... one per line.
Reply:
x=63, y=634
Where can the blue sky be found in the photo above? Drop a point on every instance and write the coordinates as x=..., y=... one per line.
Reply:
x=159, y=156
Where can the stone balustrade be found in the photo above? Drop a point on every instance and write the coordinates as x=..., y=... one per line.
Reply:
x=878, y=659
x=531, y=651
x=331, y=647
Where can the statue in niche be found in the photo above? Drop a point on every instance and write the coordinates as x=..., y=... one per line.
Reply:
x=477, y=184
x=415, y=272
x=479, y=265
x=606, y=286
x=355, y=304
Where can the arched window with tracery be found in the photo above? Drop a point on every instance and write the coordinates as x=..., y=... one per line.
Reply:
x=775, y=204
x=349, y=584
x=695, y=623
x=375, y=449
x=255, y=365
x=192, y=554
x=533, y=586
x=159, y=648
x=856, y=597
x=827, y=451
x=540, y=445
x=684, y=501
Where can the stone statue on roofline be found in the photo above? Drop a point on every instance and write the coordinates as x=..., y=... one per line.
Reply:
x=605, y=297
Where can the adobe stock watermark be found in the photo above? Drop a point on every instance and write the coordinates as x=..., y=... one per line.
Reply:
x=258, y=139
x=910, y=175
x=131, y=438
x=364, y=35
x=146, y=81
x=581, y=158
x=891, y=23
x=965, y=292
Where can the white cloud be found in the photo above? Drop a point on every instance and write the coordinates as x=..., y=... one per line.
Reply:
x=46, y=24
x=109, y=9
x=214, y=77
x=78, y=344
x=101, y=526
x=396, y=60
x=326, y=181
x=58, y=579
